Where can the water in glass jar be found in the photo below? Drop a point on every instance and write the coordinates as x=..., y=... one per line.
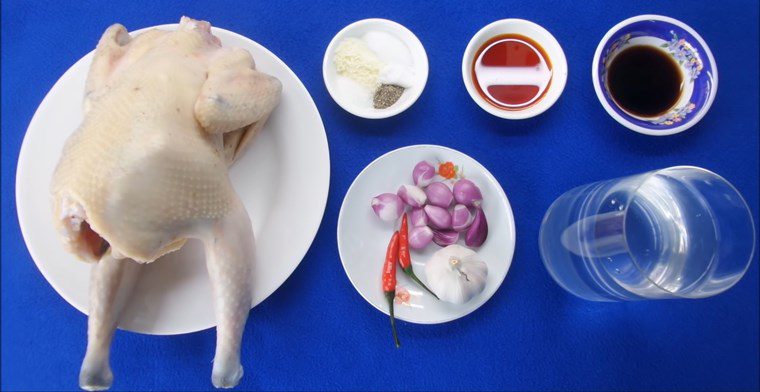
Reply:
x=654, y=241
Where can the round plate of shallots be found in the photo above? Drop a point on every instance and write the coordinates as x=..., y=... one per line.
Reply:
x=459, y=234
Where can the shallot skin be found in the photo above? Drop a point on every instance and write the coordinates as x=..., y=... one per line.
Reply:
x=461, y=218
x=440, y=210
x=445, y=237
x=467, y=193
x=420, y=237
x=438, y=217
x=478, y=231
x=439, y=194
x=423, y=174
x=412, y=195
x=417, y=217
x=387, y=206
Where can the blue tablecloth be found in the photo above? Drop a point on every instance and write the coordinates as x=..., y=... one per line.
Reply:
x=316, y=332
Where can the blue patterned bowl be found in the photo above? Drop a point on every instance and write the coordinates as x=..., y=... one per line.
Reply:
x=680, y=41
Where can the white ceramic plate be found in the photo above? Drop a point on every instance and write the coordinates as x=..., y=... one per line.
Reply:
x=363, y=238
x=287, y=160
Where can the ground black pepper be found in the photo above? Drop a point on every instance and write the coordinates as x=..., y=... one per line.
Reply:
x=386, y=95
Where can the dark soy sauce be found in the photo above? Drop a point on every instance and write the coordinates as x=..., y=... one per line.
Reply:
x=644, y=81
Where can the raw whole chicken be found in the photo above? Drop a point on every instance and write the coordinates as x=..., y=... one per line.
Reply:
x=165, y=114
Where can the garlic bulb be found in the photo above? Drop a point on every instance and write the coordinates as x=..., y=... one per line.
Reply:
x=456, y=274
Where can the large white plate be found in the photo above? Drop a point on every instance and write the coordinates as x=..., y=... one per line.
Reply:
x=363, y=238
x=283, y=178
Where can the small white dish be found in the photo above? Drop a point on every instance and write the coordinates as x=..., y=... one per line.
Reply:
x=363, y=238
x=419, y=63
x=173, y=294
x=536, y=33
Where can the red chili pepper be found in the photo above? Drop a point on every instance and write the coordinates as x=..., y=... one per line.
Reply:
x=389, y=280
x=405, y=259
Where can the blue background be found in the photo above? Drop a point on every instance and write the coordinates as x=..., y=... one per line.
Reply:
x=316, y=332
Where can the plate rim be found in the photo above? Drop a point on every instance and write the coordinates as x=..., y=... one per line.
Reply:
x=511, y=224
x=24, y=150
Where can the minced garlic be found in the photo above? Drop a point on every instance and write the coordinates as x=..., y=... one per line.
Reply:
x=353, y=59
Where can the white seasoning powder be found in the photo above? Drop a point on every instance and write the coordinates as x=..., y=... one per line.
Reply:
x=356, y=61
x=353, y=91
x=397, y=74
x=389, y=49
x=395, y=56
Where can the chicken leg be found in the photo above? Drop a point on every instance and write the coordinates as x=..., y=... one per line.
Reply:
x=111, y=284
x=229, y=252
x=229, y=247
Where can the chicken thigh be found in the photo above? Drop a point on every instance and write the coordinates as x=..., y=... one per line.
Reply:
x=166, y=113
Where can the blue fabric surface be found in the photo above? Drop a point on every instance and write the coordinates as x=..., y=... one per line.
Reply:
x=316, y=332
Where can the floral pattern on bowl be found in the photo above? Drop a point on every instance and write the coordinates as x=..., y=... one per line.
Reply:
x=675, y=115
x=618, y=44
x=688, y=50
x=615, y=47
x=685, y=54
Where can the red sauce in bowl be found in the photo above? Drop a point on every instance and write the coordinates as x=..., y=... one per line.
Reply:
x=511, y=71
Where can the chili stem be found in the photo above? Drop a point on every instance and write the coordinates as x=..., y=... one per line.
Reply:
x=390, y=295
x=410, y=273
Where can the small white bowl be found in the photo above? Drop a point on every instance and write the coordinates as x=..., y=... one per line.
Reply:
x=538, y=34
x=419, y=65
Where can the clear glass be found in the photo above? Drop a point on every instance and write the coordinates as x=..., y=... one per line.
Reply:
x=680, y=232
